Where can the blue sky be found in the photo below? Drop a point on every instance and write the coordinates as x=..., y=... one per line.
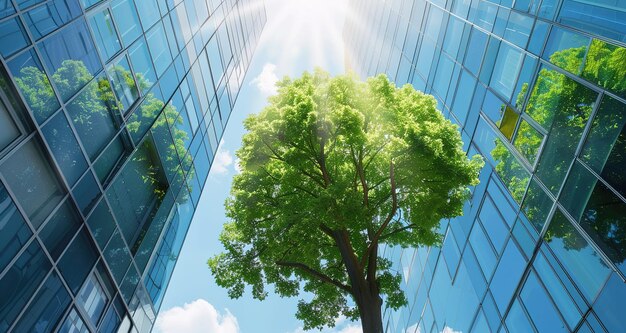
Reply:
x=299, y=35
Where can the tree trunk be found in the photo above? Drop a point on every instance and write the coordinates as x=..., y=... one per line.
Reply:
x=365, y=292
x=370, y=311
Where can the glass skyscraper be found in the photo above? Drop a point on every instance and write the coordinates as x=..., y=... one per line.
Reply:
x=539, y=89
x=111, y=112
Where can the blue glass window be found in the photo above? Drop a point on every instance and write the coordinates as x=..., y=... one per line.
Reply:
x=475, y=51
x=14, y=233
x=78, y=260
x=73, y=323
x=86, y=193
x=6, y=8
x=51, y=16
x=157, y=42
x=110, y=322
x=454, y=33
x=566, y=49
x=20, y=282
x=507, y=275
x=117, y=256
x=523, y=82
x=142, y=65
x=33, y=182
x=507, y=66
x=34, y=85
x=148, y=12
x=463, y=98
x=579, y=259
x=536, y=205
x=60, y=229
x=111, y=157
x=606, y=18
x=65, y=148
x=123, y=82
x=610, y=302
x=517, y=320
x=492, y=221
x=101, y=224
x=93, y=113
x=605, y=143
x=47, y=308
x=541, y=310
x=126, y=19
x=105, y=34
x=486, y=15
x=145, y=114
x=484, y=252
x=13, y=37
x=93, y=299
x=23, y=4
x=71, y=56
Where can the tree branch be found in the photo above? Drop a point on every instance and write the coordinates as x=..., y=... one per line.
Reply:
x=410, y=226
x=320, y=276
x=394, y=207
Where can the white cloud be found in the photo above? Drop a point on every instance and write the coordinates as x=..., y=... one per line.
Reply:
x=266, y=81
x=349, y=327
x=448, y=329
x=223, y=159
x=198, y=316
x=237, y=165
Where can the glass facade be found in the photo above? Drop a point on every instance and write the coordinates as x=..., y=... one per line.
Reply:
x=538, y=87
x=110, y=116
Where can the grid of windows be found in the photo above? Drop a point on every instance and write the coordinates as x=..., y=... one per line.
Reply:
x=538, y=87
x=110, y=116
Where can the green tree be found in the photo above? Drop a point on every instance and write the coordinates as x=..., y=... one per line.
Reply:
x=331, y=169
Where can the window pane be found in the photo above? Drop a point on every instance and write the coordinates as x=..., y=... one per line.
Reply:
x=14, y=233
x=475, y=51
x=508, y=122
x=43, y=314
x=492, y=221
x=110, y=322
x=536, y=205
x=606, y=18
x=579, y=259
x=93, y=299
x=20, y=282
x=13, y=37
x=508, y=64
x=604, y=149
x=93, y=112
x=65, y=148
x=517, y=320
x=117, y=256
x=613, y=298
x=142, y=65
x=566, y=49
x=86, y=192
x=454, y=33
x=34, y=85
x=51, y=16
x=159, y=49
x=111, y=157
x=605, y=66
x=71, y=57
x=518, y=29
x=145, y=114
x=101, y=224
x=527, y=141
x=73, y=324
x=78, y=260
x=563, y=106
x=126, y=19
x=33, y=182
x=60, y=229
x=148, y=11
x=507, y=275
x=8, y=128
x=105, y=34
x=540, y=308
x=483, y=249
x=137, y=191
x=123, y=82
x=510, y=170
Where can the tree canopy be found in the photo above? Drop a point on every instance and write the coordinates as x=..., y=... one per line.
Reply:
x=331, y=169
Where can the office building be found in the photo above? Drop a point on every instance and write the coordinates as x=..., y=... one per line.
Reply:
x=111, y=114
x=539, y=89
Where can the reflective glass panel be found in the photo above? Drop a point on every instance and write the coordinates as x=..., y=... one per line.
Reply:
x=579, y=259
x=47, y=308
x=610, y=302
x=60, y=229
x=9, y=131
x=117, y=256
x=33, y=182
x=104, y=33
x=71, y=58
x=126, y=19
x=527, y=141
x=536, y=205
x=142, y=65
x=505, y=279
x=78, y=260
x=148, y=11
x=123, y=82
x=605, y=65
x=93, y=299
x=566, y=49
x=159, y=49
x=604, y=17
x=101, y=224
x=51, y=16
x=34, y=85
x=14, y=233
x=604, y=149
x=93, y=113
x=541, y=310
x=508, y=64
x=13, y=37
x=65, y=148
x=20, y=282
x=508, y=122
x=73, y=324
x=518, y=29
x=475, y=50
